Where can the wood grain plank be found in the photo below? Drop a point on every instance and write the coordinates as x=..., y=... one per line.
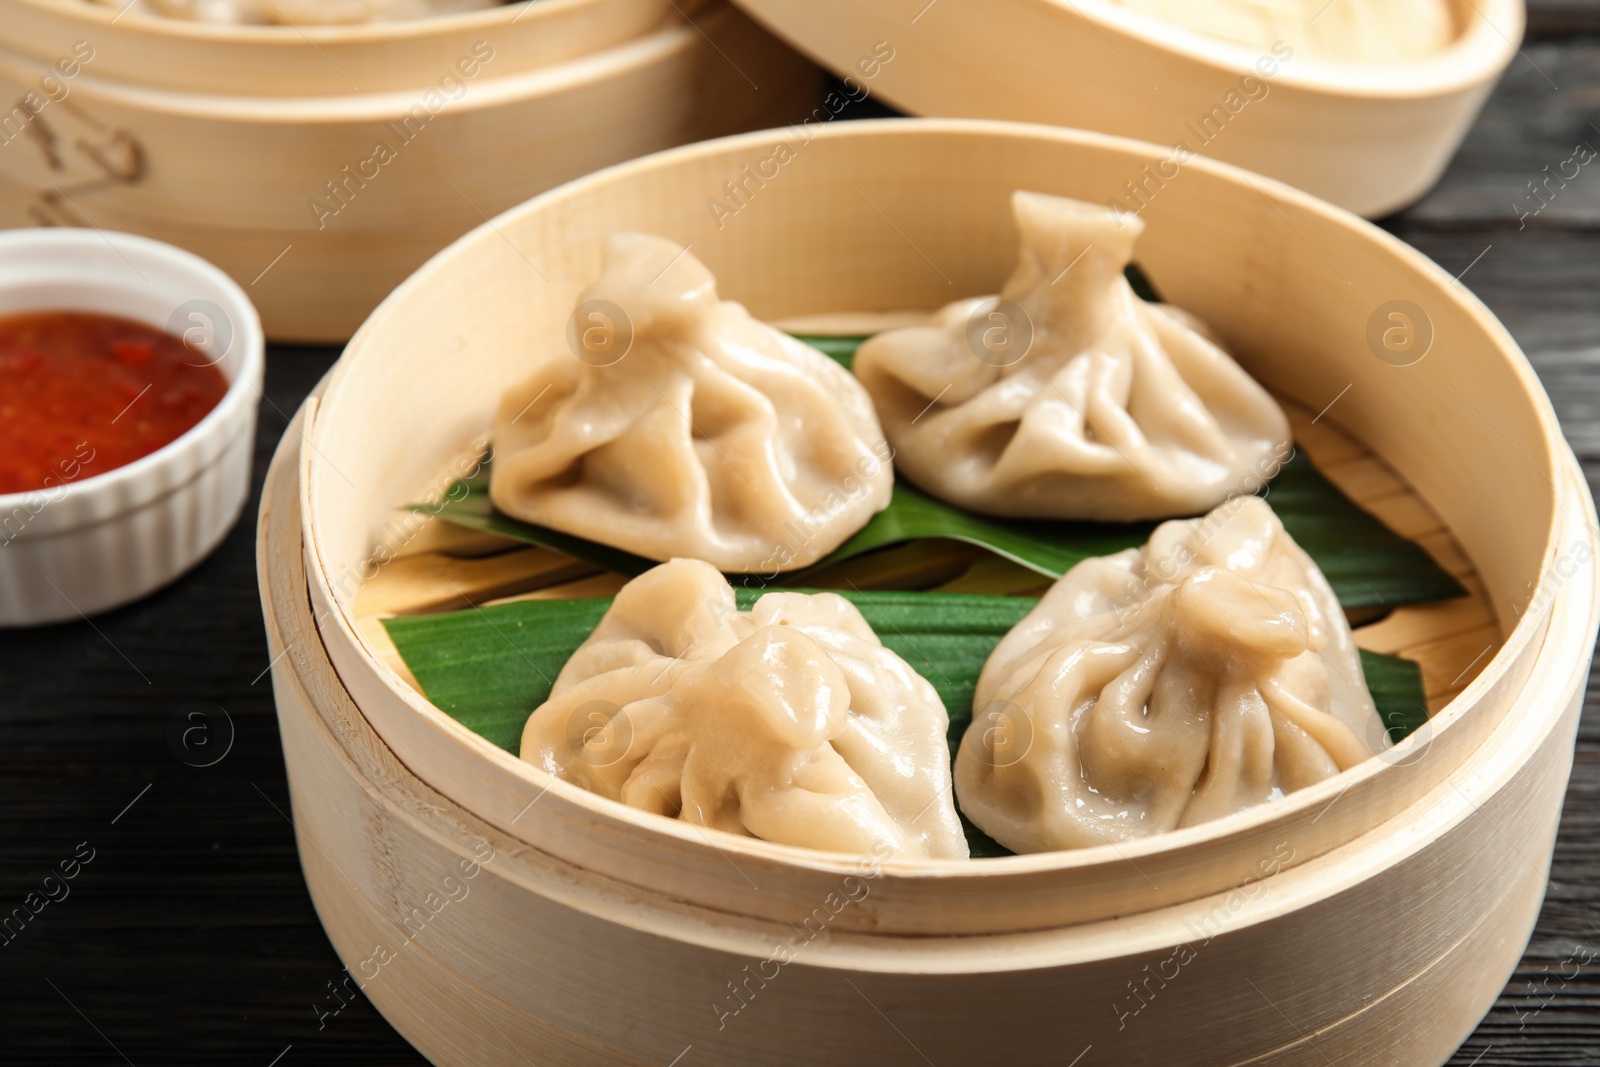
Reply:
x=1450, y=663
x=433, y=581
x=1320, y=437
x=603, y=584
x=1563, y=18
x=1512, y=173
x=1447, y=553
x=1540, y=285
x=1418, y=624
x=448, y=539
x=1365, y=479
x=1406, y=515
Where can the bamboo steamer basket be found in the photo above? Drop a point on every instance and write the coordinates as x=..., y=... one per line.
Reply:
x=163, y=53
x=157, y=136
x=603, y=935
x=1370, y=139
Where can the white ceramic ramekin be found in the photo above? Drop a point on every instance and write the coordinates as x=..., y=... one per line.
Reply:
x=99, y=541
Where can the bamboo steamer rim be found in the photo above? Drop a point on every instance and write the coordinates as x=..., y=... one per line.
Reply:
x=1559, y=673
x=657, y=46
x=185, y=56
x=1488, y=35
x=1523, y=637
x=96, y=15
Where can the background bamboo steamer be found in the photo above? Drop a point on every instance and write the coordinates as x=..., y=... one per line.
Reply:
x=234, y=177
x=163, y=53
x=1370, y=139
x=1400, y=887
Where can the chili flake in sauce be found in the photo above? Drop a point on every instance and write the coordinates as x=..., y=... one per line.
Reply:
x=82, y=394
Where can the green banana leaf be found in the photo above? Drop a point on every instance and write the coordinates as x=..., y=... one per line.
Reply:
x=1368, y=565
x=488, y=668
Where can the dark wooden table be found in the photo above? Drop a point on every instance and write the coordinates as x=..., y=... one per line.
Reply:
x=189, y=938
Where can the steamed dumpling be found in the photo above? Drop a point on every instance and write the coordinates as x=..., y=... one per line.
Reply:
x=692, y=430
x=303, y=12
x=789, y=722
x=1209, y=671
x=1357, y=31
x=1117, y=410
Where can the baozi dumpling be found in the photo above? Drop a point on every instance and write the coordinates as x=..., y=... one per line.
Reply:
x=1209, y=671
x=789, y=722
x=1116, y=409
x=705, y=433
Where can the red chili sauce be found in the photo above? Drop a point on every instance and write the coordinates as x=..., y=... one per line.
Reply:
x=82, y=394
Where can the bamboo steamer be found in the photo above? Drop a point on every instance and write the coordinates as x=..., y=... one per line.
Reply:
x=604, y=935
x=1370, y=139
x=291, y=193
x=146, y=49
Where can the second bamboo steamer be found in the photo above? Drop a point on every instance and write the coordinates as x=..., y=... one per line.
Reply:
x=146, y=49
x=1369, y=138
x=321, y=204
